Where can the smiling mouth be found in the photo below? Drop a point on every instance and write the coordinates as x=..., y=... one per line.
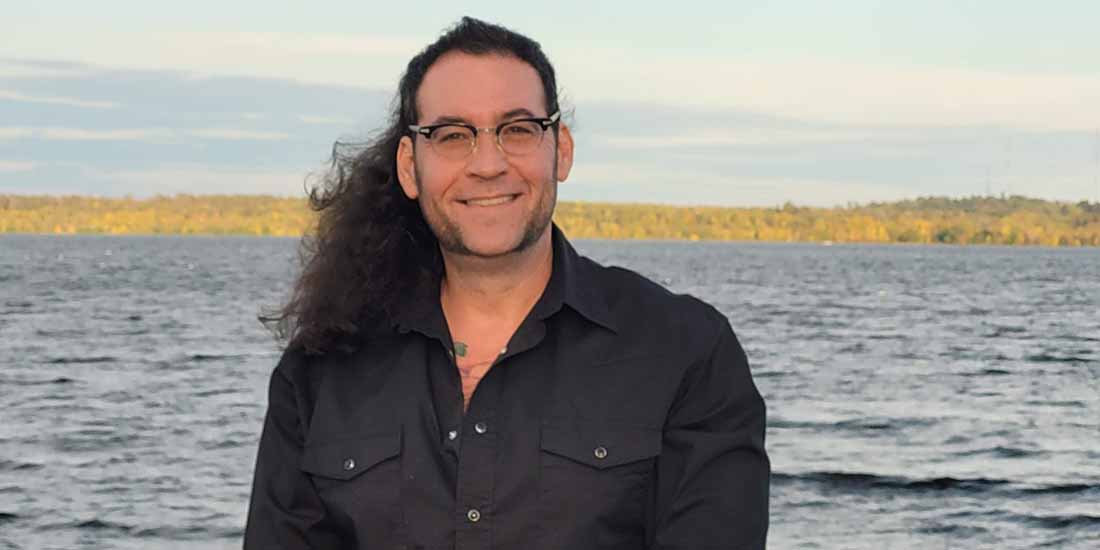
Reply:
x=490, y=201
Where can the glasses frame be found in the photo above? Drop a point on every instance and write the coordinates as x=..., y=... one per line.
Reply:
x=544, y=122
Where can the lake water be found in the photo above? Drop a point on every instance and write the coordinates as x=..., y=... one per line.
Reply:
x=918, y=396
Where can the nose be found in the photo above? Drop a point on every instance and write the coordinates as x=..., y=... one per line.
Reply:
x=487, y=161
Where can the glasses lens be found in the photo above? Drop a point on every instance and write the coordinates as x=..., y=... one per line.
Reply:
x=520, y=137
x=452, y=141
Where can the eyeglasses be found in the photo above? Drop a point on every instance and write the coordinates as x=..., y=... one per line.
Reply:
x=516, y=137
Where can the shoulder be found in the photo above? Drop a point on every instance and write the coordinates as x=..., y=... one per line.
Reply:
x=295, y=372
x=309, y=384
x=304, y=372
x=654, y=316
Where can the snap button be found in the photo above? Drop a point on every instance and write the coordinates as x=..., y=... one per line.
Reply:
x=452, y=435
x=473, y=515
x=600, y=452
x=481, y=428
x=349, y=463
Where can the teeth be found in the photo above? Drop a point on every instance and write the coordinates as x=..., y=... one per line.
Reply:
x=490, y=202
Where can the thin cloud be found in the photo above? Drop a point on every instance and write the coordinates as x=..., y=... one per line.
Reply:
x=322, y=120
x=84, y=134
x=615, y=182
x=808, y=87
x=11, y=166
x=10, y=133
x=323, y=58
x=29, y=68
x=635, y=151
x=837, y=91
x=309, y=43
x=734, y=137
x=135, y=134
x=56, y=100
x=238, y=134
x=200, y=179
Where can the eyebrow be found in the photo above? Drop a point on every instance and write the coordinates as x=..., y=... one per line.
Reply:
x=514, y=113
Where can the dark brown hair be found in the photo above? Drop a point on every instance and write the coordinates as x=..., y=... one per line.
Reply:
x=371, y=249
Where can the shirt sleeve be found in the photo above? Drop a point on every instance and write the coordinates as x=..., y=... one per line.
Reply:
x=713, y=472
x=285, y=512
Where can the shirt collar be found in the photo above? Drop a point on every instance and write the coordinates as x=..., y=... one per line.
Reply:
x=574, y=281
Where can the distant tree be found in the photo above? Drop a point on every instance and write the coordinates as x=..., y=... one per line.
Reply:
x=971, y=220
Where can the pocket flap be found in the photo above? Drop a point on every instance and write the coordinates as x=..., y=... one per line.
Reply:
x=602, y=448
x=347, y=458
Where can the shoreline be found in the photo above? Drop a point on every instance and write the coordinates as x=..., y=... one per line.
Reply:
x=1010, y=221
x=613, y=239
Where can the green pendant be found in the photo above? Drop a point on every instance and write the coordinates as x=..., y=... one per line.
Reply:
x=460, y=349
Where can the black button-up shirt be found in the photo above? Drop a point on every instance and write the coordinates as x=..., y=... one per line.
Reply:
x=619, y=415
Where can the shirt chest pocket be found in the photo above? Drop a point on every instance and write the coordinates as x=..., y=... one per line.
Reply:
x=594, y=482
x=359, y=480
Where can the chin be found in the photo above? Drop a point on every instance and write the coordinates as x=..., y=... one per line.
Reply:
x=489, y=246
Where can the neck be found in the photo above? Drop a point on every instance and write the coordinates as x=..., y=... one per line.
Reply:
x=496, y=290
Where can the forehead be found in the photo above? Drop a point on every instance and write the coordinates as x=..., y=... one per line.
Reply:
x=479, y=87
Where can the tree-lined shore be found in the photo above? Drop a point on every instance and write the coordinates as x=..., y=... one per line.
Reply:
x=974, y=220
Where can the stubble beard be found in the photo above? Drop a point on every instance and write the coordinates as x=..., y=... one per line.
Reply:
x=450, y=237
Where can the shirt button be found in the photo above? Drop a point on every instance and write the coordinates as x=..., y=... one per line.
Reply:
x=452, y=435
x=349, y=464
x=473, y=515
x=481, y=428
x=504, y=350
x=600, y=452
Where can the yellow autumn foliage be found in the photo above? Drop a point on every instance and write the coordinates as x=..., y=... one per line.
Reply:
x=974, y=220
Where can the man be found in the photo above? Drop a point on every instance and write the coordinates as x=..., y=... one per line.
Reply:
x=459, y=377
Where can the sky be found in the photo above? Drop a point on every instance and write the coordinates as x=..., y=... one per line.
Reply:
x=727, y=103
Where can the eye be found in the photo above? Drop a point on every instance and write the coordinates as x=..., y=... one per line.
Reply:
x=449, y=134
x=520, y=128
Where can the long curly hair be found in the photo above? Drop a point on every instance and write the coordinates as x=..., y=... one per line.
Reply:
x=371, y=249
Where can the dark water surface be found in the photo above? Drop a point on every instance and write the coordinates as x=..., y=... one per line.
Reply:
x=919, y=397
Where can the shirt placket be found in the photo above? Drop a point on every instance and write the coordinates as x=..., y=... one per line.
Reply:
x=477, y=457
x=480, y=446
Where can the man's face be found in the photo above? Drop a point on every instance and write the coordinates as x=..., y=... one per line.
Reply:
x=488, y=204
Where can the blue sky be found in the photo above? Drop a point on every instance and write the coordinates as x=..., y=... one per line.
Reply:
x=731, y=103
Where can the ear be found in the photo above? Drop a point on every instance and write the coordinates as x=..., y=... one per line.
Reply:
x=406, y=168
x=565, y=152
